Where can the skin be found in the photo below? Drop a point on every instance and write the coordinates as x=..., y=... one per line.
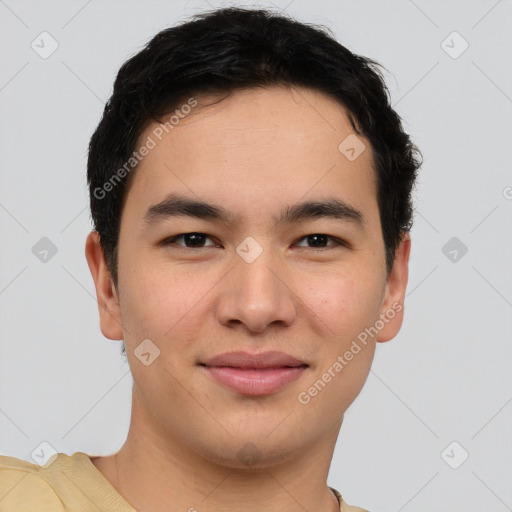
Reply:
x=253, y=153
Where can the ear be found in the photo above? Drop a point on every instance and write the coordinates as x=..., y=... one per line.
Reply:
x=106, y=294
x=392, y=310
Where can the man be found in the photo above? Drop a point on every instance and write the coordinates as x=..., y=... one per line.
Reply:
x=250, y=190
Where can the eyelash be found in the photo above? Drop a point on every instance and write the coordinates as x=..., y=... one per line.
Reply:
x=171, y=240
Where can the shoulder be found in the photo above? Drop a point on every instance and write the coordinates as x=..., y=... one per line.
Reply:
x=24, y=488
x=63, y=483
x=350, y=508
x=344, y=506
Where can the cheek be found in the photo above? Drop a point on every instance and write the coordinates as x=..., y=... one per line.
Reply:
x=159, y=300
x=345, y=302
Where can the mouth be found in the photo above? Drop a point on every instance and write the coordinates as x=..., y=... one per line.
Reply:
x=254, y=374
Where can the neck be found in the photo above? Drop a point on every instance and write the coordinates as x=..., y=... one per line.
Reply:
x=156, y=473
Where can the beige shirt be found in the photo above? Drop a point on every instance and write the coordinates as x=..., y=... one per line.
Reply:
x=70, y=484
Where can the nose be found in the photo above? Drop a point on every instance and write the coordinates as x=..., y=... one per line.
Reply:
x=256, y=295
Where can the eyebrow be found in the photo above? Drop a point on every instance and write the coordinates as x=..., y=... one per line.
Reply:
x=176, y=205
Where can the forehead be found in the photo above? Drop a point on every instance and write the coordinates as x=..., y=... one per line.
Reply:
x=265, y=144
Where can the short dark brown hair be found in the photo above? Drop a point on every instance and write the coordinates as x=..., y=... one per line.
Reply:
x=229, y=49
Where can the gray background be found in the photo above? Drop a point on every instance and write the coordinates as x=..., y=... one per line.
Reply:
x=446, y=377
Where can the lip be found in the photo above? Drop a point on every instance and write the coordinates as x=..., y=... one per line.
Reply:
x=254, y=374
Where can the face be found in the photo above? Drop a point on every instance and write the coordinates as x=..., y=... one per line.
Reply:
x=286, y=256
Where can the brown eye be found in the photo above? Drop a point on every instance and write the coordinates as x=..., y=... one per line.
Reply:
x=320, y=240
x=189, y=240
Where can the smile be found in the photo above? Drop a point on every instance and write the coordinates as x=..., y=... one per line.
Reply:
x=254, y=374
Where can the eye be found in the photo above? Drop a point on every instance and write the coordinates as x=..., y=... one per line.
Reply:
x=195, y=240
x=189, y=240
x=319, y=240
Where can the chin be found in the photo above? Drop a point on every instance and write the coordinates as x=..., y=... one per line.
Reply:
x=241, y=454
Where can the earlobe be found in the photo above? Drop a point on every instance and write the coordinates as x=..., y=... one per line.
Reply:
x=106, y=294
x=392, y=310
